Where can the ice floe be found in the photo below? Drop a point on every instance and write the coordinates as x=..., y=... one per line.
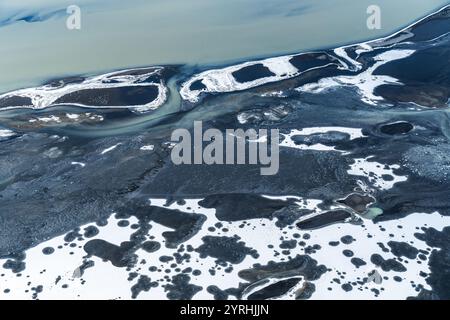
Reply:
x=380, y=175
x=81, y=164
x=353, y=133
x=46, y=119
x=110, y=148
x=147, y=148
x=62, y=119
x=223, y=80
x=5, y=133
x=54, y=94
x=365, y=82
x=269, y=114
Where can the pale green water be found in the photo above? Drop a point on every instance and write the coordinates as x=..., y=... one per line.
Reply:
x=135, y=33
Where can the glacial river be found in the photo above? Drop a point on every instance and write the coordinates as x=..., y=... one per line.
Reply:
x=36, y=44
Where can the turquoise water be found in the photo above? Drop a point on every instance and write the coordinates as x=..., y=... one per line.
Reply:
x=118, y=34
